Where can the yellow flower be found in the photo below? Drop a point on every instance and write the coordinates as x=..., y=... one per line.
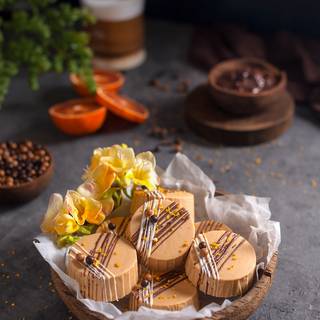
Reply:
x=54, y=207
x=97, y=185
x=65, y=224
x=66, y=217
x=143, y=173
x=83, y=209
x=119, y=158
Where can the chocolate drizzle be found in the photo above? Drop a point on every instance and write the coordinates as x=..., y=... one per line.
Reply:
x=220, y=253
x=159, y=285
x=143, y=239
x=209, y=225
x=101, y=255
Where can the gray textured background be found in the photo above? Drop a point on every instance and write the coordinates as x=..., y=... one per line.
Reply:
x=285, y=174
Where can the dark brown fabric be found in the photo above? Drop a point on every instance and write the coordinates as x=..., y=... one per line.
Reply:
x=299, y=56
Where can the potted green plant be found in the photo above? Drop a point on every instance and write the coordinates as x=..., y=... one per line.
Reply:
x=42, y=36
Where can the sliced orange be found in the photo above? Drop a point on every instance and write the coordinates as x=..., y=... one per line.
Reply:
x=108, y=80
x=122, y=106
x=78, y=116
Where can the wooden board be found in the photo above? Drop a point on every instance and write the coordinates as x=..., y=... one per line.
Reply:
x=221, y=127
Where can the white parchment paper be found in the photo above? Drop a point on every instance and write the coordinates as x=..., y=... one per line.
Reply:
x=247, y=215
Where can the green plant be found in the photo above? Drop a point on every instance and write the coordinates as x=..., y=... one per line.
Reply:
x=43, y=36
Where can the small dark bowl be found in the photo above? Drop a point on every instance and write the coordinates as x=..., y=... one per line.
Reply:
x=245, y=103
x=29, y=190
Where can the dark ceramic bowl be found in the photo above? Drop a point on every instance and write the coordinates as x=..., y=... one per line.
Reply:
x=29, y=190
x=245, y=103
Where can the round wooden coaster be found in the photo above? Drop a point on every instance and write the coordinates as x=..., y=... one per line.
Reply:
x=221, y=127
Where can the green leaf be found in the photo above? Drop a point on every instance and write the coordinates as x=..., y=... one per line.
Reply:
x=66, y=240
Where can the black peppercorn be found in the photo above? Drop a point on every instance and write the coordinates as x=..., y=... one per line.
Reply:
x=22, y=162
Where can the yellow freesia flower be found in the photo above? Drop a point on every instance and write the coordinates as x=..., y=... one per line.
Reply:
x=54, y=207
x=143, y=173
x=66, y=217
x=97, y=185
x=119, y=158
x=83, y=209
x=65, y=224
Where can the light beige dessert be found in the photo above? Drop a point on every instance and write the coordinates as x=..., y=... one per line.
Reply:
x=221, y=264
x=116, y=224
x=104, y=265
x=162, y=232
x=186, y=199
x=170, y=291
x=209, y=225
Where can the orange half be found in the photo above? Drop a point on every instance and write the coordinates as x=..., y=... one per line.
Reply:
x=108, y=80
x=123, y=107
x=78, y=116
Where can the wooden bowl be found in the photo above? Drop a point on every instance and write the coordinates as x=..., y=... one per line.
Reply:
x=27, y=191
x=240, y=309
x=244, y=103
x=77, y=124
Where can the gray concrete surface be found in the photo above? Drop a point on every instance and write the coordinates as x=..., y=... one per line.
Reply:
x=288, y=173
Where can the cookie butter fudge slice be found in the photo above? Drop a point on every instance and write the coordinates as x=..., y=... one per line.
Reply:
x=186, y=199
x=162, y=232
x=221, y=263
x=104, y=265
x=210, y=225
x=170, y=291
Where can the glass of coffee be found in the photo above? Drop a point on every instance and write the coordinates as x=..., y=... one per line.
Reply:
x=117, y=38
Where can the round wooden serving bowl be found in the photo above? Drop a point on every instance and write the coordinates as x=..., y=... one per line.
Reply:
x=244, y=103
x=27, y=191
x=240, y=309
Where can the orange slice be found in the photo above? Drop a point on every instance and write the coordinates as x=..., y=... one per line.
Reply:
x=78, y=116
x=123, y=107
x=108, y=80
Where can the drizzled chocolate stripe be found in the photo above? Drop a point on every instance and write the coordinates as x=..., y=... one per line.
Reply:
x=231, y=253
x=103, y=246
x=172, y=227
x=161, y=217
x=123, y=226
x=205, y=226
x=167, y=284
x=220, y=252
x=107, y=256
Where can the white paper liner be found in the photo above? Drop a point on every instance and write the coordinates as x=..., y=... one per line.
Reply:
x=247, y=215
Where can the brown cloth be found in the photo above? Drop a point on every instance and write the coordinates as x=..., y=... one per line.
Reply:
x=298, y=55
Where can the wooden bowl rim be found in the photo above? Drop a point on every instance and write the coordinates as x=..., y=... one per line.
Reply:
x=215, y=72
x=54, y=113
x=33, y=181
